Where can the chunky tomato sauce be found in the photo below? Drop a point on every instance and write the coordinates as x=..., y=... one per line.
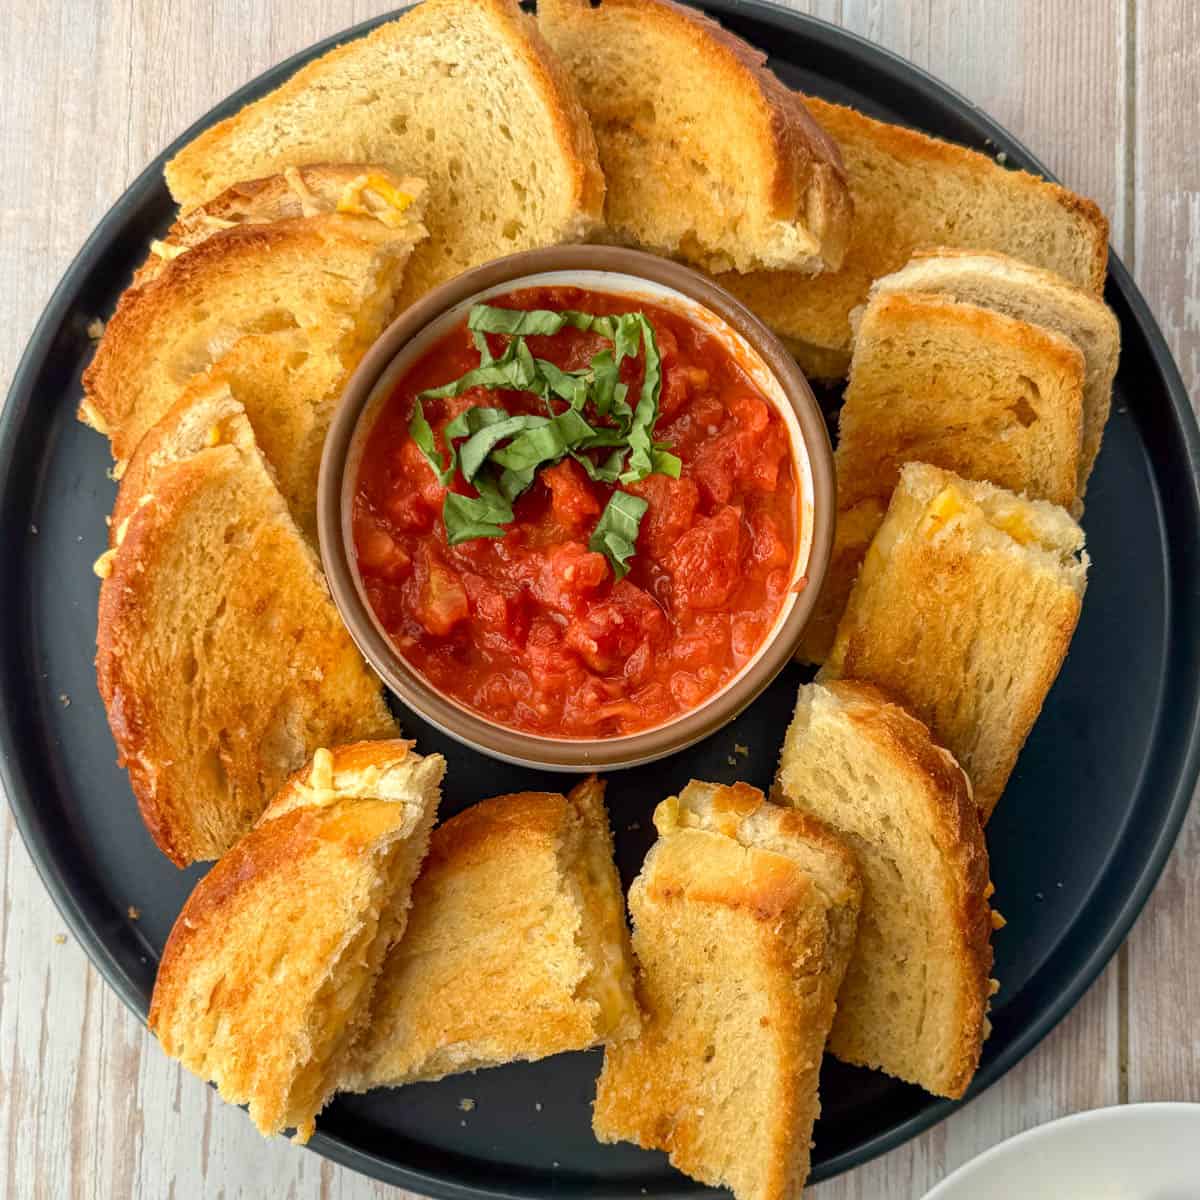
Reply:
x=532, y=630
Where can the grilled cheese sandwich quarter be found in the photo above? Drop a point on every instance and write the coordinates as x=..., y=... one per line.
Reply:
x=963, y=611
x=267, y=975
x=520, y=891
x=744, y=918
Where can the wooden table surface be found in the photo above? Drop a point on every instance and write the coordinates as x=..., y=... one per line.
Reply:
x=1107, y=92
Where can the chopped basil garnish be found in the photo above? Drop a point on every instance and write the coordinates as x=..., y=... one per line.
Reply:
x=615, y=535
x=474, y=451
x=501, y=453
x=545, y=443
x=422, y=434
x=469, y=517
x=515, y=369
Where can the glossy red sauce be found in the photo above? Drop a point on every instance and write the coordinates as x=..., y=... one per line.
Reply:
x=532, y=630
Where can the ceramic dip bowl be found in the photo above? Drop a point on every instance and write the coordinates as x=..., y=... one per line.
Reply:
x=640, y=278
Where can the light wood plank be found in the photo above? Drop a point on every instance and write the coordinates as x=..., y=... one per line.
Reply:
x=1164, y=1019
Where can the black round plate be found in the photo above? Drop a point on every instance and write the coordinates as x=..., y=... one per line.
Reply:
x=1081, y=836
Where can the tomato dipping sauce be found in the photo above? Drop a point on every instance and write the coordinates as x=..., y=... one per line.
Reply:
x=533, y=630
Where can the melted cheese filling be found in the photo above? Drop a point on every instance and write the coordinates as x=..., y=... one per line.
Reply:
x=388, y=202
x=602, y=937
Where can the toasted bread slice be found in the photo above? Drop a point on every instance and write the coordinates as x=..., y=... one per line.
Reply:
x=915, y=997
x=744, y=920
x=958, y=386
x=554, y=952
x=913, y=192
x=463, y=93
x=331, y=277
x=1002, y=283
x=289, y=394
x=268, y=973
x=356, y=189
x=706, y=155
x=963, y=611
x=965, y=388
x=220, y=657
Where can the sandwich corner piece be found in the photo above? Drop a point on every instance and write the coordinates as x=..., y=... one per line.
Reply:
x=707, y=156
x=411, y=95
x=211, y=597
x=744, y=918
x=964, y=611
x=516, y=946
x=317, y=254
x=915, y=999
x=957, y=385
x=265, y=978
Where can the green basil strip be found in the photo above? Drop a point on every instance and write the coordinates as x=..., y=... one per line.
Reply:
x=571, y=386
x=513, y=483
x=468, y=517
x=620, y=407
x=615, y=535
x=422, y=434
x=516, y=322
x=489, y=489
x=609, y=471
x=641, y=448
x=502, y=474
x=544, y=444
x=475, y=449
x=513, y=370
x=603, y=436
x=623, y=331
x=628, y=333
x=665, y=463
x=605, y=380
x=472, y=420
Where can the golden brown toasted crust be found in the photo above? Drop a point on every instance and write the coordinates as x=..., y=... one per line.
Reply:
x=742, y=812
x=869, y=467
x=414, y=94
x=473, y=835
x=741, y=950
x=956, y=385
x=570, y=120
x=841, y=122
x=319, y=189
x=186, y=430
x=554, y=951
x=521, y=39
x=289, y=391
x=1029, y=293
x=798, y=176
x=793, y=142
x=764, y=889
x=276, y=846
x=205, y=736
x=270, y=965
x=1065, y=233
x=156, y=316
x=951, y=820
x=963, y=621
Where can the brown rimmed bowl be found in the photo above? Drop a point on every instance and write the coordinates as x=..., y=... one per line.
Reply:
x=641, y=277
